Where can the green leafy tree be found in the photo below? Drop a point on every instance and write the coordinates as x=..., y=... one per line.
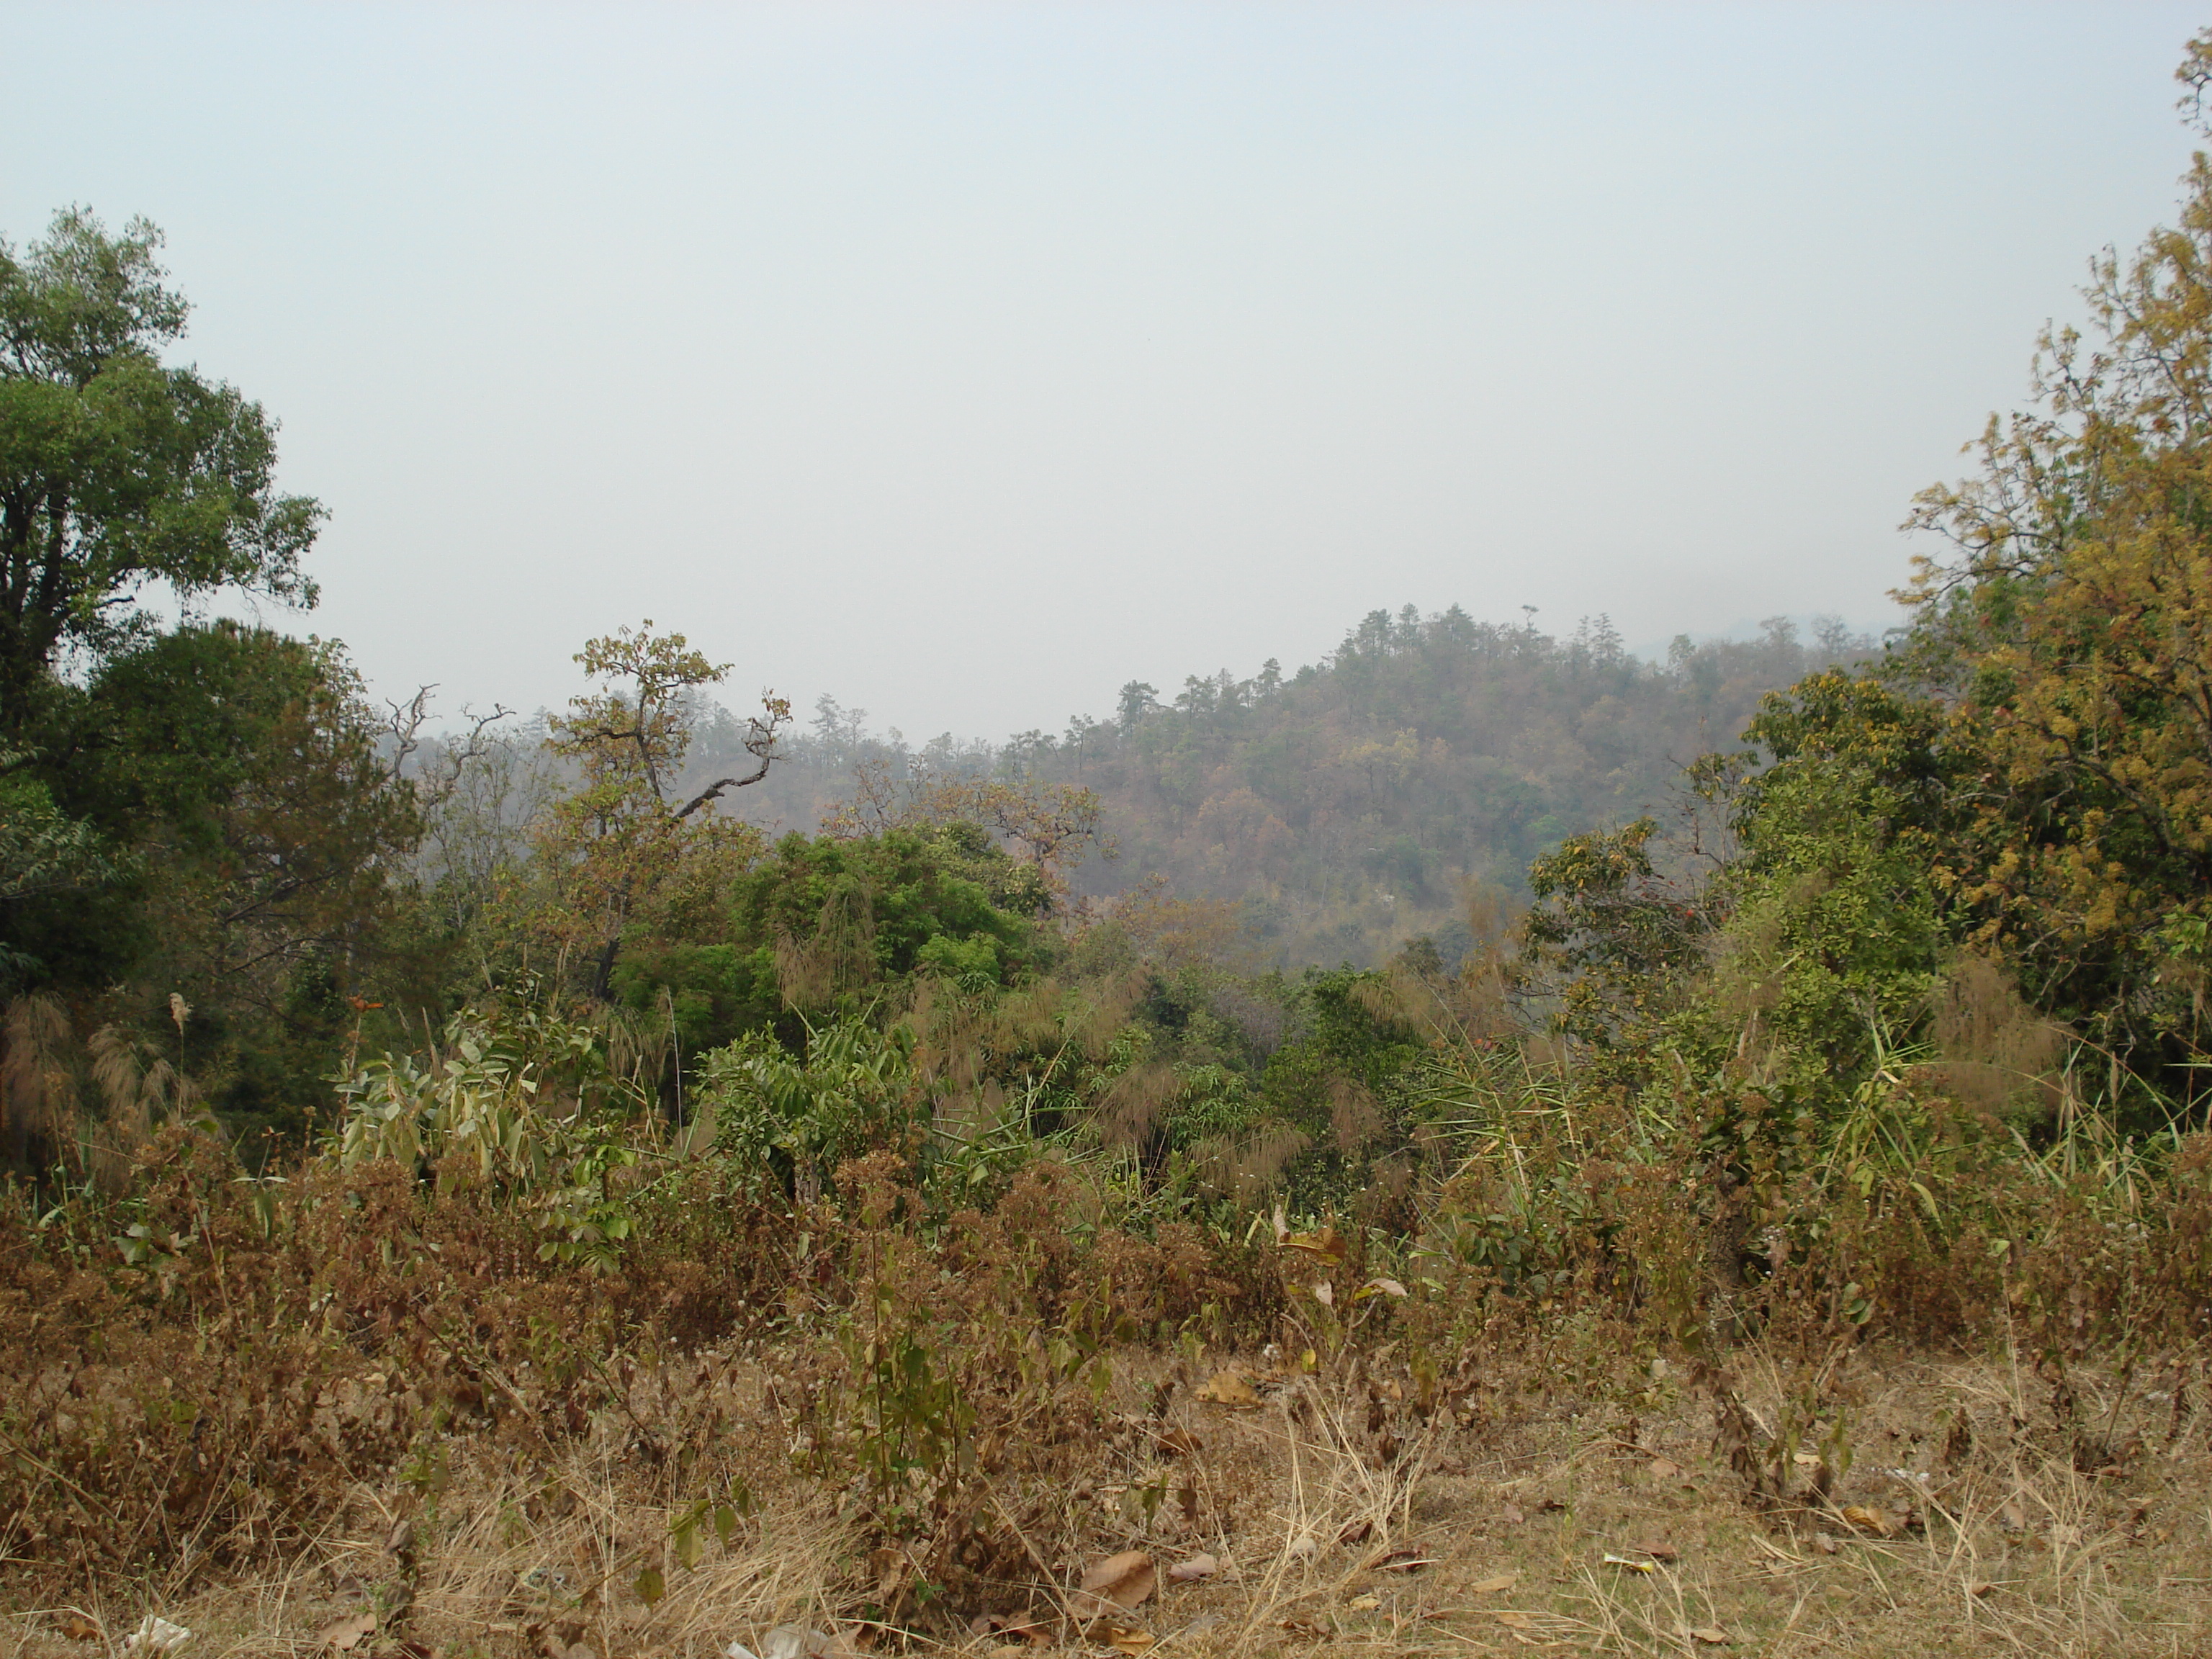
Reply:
x=1839, y=912
x=117, y=471
x=831, y=923
x=1136, y=697
x=1050, y=825
x=792, y=1120
x=45, y=857
x=243, y=766
x=1612, y=939
x=1335, y=1086
x=234, y=835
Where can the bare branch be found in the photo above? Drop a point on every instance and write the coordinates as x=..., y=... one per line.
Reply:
x=406, y=727
x=760, y=743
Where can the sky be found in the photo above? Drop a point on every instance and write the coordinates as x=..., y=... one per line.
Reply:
x=966, y=362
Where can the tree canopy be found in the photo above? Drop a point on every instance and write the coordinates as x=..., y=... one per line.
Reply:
x=117, y=469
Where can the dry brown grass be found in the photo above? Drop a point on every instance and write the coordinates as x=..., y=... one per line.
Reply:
x=1308, y=1502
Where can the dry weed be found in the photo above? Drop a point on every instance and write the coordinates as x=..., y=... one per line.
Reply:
x=1548, y=1521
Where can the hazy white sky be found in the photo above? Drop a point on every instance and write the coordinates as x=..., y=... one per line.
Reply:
x=967, y=360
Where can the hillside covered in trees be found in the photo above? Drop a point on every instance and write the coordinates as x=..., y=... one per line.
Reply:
x=1347, y=808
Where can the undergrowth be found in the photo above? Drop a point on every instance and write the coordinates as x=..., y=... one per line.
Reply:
x=206, y=1367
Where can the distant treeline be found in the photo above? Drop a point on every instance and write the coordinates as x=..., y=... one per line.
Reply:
x=1345, y=806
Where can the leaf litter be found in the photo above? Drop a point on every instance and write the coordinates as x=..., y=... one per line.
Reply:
x=1197, y=1567
x=343, y=1635
x=1229, y=1388
x=155, y=1634
x=1118, y=1584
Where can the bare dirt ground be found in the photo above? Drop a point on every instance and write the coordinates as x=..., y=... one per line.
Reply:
x=1960, y=1516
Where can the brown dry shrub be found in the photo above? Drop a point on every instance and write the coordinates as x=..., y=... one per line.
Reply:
x=274, y=1346
x=965, y=1383
x=209, y=1403
x=1996, y=1052
x=1976, y=1243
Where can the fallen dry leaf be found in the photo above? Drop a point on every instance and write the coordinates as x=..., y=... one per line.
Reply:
x=1326, y=1242
x=890, y=1566
x=1122, y=1580
x=1512, y=1619
x=1125, y=1639
x=1400, y=1561
x=1711, y=1635
x=1179, y=1442
x=1503, y=1581
x=1355, y=1532
x=797, y=1641
x=1825, y=1544
x=344, y=1635
x=1324, y=1293
x=155, y=1634
x=1880, y=1522
x=1190, y=1572
x=1229, y=1388
x=1658, y=1552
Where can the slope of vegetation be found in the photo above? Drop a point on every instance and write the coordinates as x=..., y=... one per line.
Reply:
x=495, y=1183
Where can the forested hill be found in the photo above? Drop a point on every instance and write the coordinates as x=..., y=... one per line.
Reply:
x=1345, y=805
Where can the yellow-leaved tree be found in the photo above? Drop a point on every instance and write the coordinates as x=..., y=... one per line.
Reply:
x=2071, y=630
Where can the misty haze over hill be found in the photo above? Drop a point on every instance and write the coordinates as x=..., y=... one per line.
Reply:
x=1345, y=807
